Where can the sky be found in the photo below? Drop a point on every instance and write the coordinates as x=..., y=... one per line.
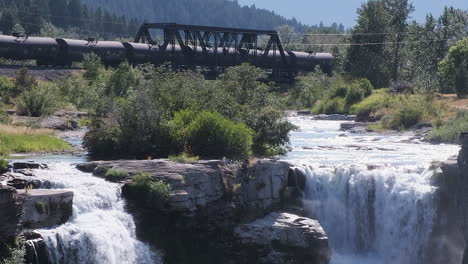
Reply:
x=311, y=12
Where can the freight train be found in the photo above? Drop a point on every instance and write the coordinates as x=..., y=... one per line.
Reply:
x=64, y=52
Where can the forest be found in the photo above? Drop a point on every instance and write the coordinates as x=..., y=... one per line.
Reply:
x=121, y=19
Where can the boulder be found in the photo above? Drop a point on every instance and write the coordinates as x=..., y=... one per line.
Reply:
x=335, y=117
x=284, y=238
x=354, y=127
x=22, y=181
x=28, y=165
x=43, y=208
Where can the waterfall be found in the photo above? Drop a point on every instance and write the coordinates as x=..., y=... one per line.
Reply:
x=100, y=231
x=371, y=192
x=372, y=215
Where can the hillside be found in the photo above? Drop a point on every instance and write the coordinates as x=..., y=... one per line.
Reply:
x=208, y=12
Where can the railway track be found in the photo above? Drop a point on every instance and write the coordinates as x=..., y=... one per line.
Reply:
x=40, y=72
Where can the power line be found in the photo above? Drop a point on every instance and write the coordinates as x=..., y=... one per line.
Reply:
x=297, y=34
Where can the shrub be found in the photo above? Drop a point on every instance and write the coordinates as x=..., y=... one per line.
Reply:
x=209, y=134
x=78, y=91
x=122, y=80
x=336, y=105
x=93, y=67
x=23, y=82
x=6, y=89
x=3, y=165
x=343, y=95
x=184, y=158
x=40, y=100
x=115, y=175
x=354, y=95
x=154, y=193
x=371, y=105
x=5, y=118
x=309, y=89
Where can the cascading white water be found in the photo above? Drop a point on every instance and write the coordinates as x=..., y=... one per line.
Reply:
x=100, y=231
x=372, y=193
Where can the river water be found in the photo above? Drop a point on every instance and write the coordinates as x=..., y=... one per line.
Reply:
x=371, y=192
x=100, y=230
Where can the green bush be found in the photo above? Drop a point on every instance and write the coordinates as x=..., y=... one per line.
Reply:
x=309, y=89
x=370, y=106
x=41, y=100
x=3, y=165
x=344, y=94
x=122, y=80
x=79, y=92
x=450, y=131
x=115, y=175
x=354, y=95
x=154, y=193
x=5, y=118
x=336, y=105
x=209, y=134
x=7, y=86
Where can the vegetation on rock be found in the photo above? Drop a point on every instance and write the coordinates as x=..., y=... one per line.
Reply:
x=154, y=192
x=115, y=175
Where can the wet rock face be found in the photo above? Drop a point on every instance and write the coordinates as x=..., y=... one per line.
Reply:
x=214, y=189
x=284, y=238
x=228, y=208
x=463, y=165
x=46, y=208
x=10, y=211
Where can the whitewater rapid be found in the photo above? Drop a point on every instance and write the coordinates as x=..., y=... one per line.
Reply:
x=100, y=230
x=371, y=192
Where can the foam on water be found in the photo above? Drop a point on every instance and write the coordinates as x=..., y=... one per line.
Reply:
x=372, y=193
x=100, y=231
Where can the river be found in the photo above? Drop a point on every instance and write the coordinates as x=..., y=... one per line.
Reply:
x=371, y=192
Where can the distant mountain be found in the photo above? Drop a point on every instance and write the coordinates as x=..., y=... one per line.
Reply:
x=225, y=13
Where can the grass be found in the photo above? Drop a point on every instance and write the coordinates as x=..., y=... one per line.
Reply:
x=449, y=132
x=14, y=139
x=116, y=175
x=183, y=158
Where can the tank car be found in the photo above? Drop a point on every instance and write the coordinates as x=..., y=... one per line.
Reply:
x=73, y=50
x=43, y=50
x=112, y=53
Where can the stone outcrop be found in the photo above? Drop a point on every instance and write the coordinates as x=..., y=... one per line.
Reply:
x=276, y=233
x=463, y=168
x=10, y=212
x=220, y=205
x=44, y=208
x=448, y=241
x=200, y=187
